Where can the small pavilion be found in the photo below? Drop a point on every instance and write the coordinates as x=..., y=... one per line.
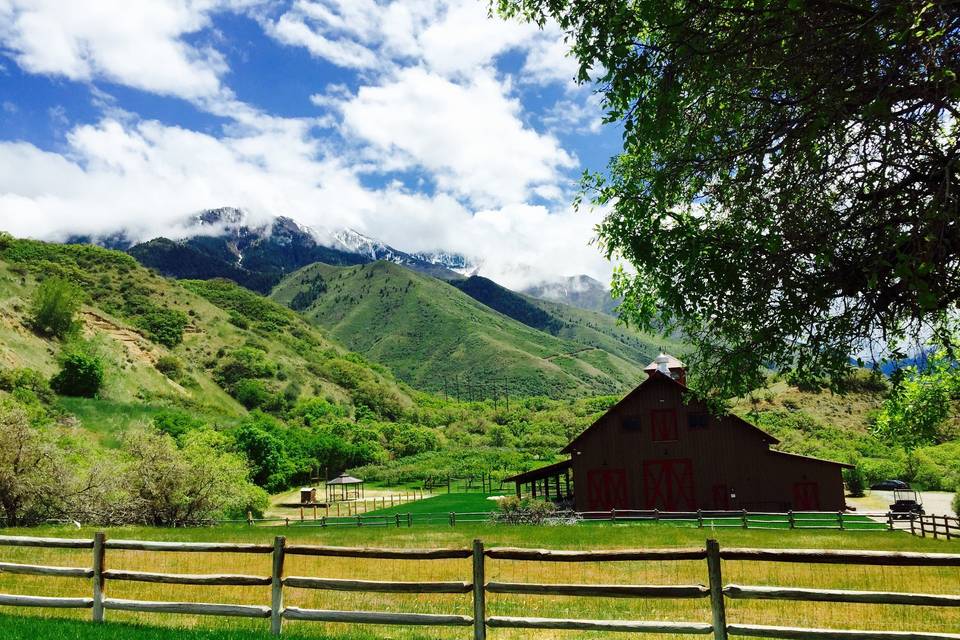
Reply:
x=344, y=487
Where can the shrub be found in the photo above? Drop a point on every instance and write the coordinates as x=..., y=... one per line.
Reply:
x=81, y=374
x=252, y=394
x=513, y=510
x=170, y=366
x=956, y=503
x=19, y=380
x=163, y=326
x=5, y=240
x=176, y=423
x=245, y=362
x=54, y=307
x=856, y=481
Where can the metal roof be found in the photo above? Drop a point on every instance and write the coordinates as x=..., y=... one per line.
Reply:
x=672, y=364
x=543, y=472
x=345, y=479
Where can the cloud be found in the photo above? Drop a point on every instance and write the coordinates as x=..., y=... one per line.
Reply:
x=469, y=136
x=137, y=43
x=146, y=178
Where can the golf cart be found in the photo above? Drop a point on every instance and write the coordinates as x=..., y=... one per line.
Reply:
x=906, y=503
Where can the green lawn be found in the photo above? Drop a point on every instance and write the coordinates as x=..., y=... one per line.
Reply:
x=445, y=503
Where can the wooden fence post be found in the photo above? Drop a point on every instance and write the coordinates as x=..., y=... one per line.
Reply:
x=840, y=519
x=99, y=552
x=276, y=589
x=613, y=515
x=913, y=530
x=890, y=519
x=933, y=523
x=479, y=593
x=743, y=518
x=409, y=520
x=699, y=519
x=923, y=528
x=717, y=604
x=398, y=520
x=250, y=518
x=790, y=519
x=946, y=526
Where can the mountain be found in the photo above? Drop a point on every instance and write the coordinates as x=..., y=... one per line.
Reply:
x=226, y=244
x=577, y=291
x=431, y=334
x=210, y=347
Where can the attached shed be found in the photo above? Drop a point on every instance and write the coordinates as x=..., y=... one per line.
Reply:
x=659, y=449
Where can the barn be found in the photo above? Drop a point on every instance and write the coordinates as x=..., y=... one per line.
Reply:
x=653, y=450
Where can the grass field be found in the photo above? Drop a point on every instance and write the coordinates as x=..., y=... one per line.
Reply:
x=922, y=580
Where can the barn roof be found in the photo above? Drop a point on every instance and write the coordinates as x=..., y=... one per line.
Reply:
x=657, y=376
x=345, y=479
x=673, y=363
x=543, y=472
x=823, y=460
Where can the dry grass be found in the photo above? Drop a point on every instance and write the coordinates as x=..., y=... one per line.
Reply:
x=924, y=580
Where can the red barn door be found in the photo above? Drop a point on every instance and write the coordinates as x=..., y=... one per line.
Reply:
x=607, y=489
x=668, y=484
x=806, y=496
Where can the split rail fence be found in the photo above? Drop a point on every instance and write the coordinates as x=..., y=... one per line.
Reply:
x=935, y=526
x=477, y=585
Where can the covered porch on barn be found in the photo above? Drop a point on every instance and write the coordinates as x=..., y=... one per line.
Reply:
x=553, y=482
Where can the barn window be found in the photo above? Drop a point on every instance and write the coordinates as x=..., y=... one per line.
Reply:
x=698, y=420
x=632, y=424
x=663, y=425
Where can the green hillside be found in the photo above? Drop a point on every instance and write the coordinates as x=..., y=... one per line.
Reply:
x=429, y=332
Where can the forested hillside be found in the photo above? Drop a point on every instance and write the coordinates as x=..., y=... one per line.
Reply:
x=430, y=333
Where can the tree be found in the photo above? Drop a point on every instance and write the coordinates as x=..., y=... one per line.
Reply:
x=54, y=307
x=916, y=412
x=787, y=190
x=32, y=469
x=81, y=374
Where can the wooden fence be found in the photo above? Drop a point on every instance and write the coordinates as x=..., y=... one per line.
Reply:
x=477, y=585
x=935, y=526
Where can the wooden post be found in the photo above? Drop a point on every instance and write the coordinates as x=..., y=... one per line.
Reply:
x=699, y=519
x=398, y=520
x=923, y=528
x=453, y=518
x=338, y=509
x=840, y=519
x=743, y=517
x=276, y=588
x=314, y=511
x=656, y=514
x=301, y=514
x=717, y=604
x=479, y=593
x=890, y=520
x=613, y=515
x=250, y=518
x=99, y=551
x=946, y=526
x=287, y=521
x=933, y=523
x=791, y=519
x=913, y=530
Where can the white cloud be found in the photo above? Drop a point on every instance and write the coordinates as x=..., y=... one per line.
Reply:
x=468, y=135
x=146, y=177
x=138, y=43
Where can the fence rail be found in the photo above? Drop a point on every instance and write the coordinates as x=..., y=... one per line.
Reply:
x=715, y=590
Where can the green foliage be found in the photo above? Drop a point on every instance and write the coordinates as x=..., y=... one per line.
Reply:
x=252, y=394
x=176, y=423
x=956, y=503
x=25, y=381
x=244, y=363
x=404, y=439
x=81, y=373
x=917, y=411
x=778, y=164
x=514, y=510
x=54, y=307
x=270, y=467
x=856, y=481
x=163, y=326
x=170, y=366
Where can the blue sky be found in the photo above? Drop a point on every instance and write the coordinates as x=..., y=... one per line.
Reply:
x=420, y=122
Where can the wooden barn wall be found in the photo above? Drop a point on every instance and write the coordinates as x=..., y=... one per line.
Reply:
x=724, y=456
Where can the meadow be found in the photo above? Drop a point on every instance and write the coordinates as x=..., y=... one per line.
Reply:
x=913, y=579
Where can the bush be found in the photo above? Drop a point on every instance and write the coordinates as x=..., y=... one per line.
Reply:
x=252, y=394
x=856, y=481
x=956, y=503
x=245, y=362
x=163, y=326
x=176, y=423
x=54, y=307
x=170, y=366
x=81, y=374
x=16, y=381
x=513, y=510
